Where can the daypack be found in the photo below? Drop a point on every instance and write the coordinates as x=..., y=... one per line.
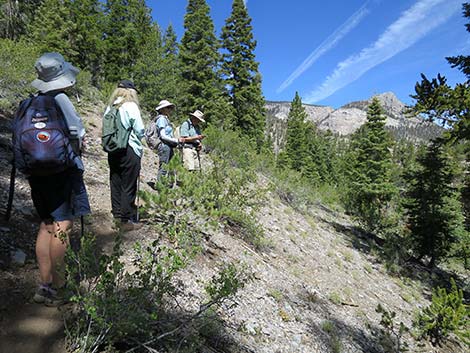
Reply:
x=152, y=135
x=41, y=144
x=114, y=135
x=177, y=132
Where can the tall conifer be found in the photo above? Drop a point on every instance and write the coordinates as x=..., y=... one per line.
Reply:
x=242, y=75
x=170, y=77
x=371, y=188
x=148, y=68
x=15, y=16
x=296, y=144
x=432, y=205
x=127, y=26
x=200, y=59
x=53, y=28
x=86, y=39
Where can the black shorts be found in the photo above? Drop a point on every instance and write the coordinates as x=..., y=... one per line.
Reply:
x=60, y=197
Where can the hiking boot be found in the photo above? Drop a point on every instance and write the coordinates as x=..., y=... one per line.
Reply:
x=58, y=297
x=43, y=293
x=130, y=226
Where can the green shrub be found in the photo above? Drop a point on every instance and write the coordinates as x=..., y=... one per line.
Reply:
x=222, y=193
x=115, y=305
x=16, y=73
x=447, y=314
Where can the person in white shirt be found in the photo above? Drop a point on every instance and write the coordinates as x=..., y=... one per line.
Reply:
x=124, y=165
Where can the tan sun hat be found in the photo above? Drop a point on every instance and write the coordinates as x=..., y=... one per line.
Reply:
x=54, y=73
x=198, y=114
x=163, y=104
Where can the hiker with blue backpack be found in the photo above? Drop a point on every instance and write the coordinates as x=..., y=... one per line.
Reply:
x=166, y=141
x=123, y=130
x=48, y=136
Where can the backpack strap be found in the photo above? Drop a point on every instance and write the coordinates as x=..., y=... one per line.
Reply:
x=24, y=105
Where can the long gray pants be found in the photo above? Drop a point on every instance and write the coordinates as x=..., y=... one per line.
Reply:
x=165, y=153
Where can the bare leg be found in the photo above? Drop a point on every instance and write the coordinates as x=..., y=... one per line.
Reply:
x=51, y=244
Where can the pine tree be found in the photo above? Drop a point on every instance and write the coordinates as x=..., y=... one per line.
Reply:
x=53, y=28
x=432, y=205
x=241, y=70
x=200, y=60
x=127, y=27
x=370, y=185
x=15, y=16
x=462, y=61
x=314, y=167
x=296, y=144
x=148, y=69
x=86, y=39
x=437, y=101
x=170, y=77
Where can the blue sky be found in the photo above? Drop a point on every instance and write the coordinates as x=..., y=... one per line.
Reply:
x=334, y=52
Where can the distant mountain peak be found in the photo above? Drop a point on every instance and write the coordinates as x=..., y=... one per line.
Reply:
x=348, y=118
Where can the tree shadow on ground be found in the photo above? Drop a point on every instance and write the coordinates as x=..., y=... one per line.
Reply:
x=373, y=246
x=332, y=331
x=33, y=329
x=206, y=334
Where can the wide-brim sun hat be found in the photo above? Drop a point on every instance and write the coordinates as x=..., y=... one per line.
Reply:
x=164, y=104
x=54, y=73
x=198, y=114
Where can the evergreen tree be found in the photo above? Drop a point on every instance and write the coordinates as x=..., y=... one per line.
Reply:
x=432, y=205
x=370, y=185
x=462, y=61
x=53, y=28
x=437, y=101
x=296, y=145
x=15, y=16
x=147, y=69
x=200, y=59
x=170, y=77
x=241, y=70
x=127, y=26
x=86, y=39
x=314, y=165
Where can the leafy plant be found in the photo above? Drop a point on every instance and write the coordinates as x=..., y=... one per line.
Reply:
x=116, y=305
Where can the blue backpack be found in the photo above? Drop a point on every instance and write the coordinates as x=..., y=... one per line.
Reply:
x=41, y=144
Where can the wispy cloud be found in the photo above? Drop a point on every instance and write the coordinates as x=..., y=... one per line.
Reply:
x=327, y=44
x=413, y=24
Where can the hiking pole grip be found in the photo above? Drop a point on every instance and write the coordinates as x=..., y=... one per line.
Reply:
x=11, y=192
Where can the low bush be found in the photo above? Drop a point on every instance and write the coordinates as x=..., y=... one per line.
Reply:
x=447, y=314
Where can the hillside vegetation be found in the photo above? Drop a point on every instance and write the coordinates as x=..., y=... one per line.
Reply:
x=310, y=243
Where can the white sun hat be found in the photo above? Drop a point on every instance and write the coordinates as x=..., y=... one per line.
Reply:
x=163, y=104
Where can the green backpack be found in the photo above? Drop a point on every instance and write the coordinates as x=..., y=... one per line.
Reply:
x=114, y=135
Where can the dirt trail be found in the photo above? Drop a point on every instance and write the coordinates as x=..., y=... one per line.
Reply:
x=33, y=328
x=26, y=327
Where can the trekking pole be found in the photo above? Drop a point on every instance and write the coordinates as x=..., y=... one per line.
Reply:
x=199, y=161
x=138, y=189
x=11, y=192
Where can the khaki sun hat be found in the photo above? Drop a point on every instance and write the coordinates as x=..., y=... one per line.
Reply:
x=163, y=104
x=198, y=114
x=54, y=73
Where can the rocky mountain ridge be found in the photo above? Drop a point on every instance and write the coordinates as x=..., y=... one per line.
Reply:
x=348, y=118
